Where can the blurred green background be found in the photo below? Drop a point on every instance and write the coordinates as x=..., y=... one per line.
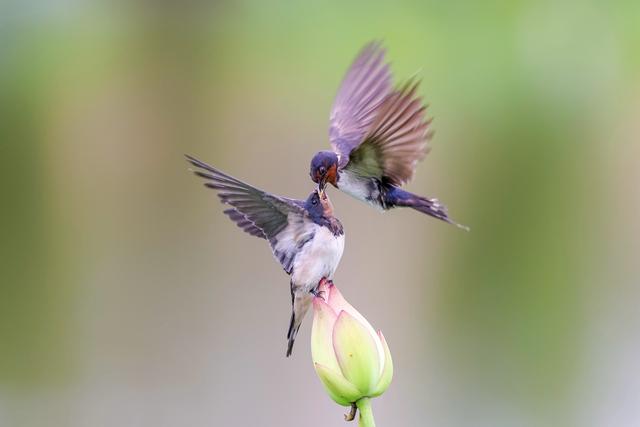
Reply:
x=128, y=299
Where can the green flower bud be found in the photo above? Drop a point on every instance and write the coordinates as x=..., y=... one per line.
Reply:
x=350, y=358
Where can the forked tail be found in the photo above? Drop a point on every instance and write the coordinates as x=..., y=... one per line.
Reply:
x=300, y=303
x=432, y=207
x=293, y=331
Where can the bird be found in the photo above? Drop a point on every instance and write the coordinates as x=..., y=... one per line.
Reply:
x=305, y=237
x=378, y=134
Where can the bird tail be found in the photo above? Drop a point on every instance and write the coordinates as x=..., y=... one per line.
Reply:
x=300, y=303
x=432, y=207
x=293, y=331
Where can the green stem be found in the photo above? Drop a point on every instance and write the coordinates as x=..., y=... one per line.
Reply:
x=366, y=415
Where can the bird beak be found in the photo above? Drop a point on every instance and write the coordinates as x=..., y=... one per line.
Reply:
x=321, y=185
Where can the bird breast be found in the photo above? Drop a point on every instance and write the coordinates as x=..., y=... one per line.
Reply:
x=363, y=189
x=318, y=258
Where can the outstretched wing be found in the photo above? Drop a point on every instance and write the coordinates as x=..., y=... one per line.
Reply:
x=279, y=220
x=363, y=89
x=397, y=139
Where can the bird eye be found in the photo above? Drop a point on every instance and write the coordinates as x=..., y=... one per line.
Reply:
x=322, y=170
x=314, y=200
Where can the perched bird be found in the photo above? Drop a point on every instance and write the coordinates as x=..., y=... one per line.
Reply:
x=304, y=236
x=378, y=134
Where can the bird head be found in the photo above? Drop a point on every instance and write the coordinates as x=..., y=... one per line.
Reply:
x=318, y=204
x=324, y=169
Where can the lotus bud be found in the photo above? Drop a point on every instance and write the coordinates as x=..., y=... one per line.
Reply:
x=351, y=359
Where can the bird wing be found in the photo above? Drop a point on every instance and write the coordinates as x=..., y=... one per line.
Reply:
x=363, y=89
x=397, y=139
x=279, y=220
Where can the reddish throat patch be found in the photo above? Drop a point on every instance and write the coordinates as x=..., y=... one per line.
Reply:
x=332, y=175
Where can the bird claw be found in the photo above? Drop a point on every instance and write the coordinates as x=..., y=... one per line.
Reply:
x=325, y=281
x=316, y=292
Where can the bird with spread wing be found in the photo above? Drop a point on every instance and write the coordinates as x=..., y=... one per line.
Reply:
x=304, y=236
x=378, y=134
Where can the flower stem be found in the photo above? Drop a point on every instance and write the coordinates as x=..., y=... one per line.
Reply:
x=366, y=415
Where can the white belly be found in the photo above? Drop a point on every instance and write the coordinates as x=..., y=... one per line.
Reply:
x=319, y=258
x=365, y=191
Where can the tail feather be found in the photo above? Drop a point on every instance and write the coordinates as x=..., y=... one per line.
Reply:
x=300, y=303
x=431, y=207
x=291, y=334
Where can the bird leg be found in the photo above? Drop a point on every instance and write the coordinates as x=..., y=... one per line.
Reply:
x=325, y=281
x=316, y=292
x=352, y=413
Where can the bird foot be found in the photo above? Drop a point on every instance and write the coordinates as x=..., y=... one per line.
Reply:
x=316, y=292
x=324, y=281
x=352, y=413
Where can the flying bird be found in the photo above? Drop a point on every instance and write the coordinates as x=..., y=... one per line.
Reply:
x=304, y=236
x=378, y=134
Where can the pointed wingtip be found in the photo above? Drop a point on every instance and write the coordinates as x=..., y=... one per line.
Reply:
x=202, y=165
x=193, y=161
x=375, y=45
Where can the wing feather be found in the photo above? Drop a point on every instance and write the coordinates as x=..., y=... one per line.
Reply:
x=397, y=140
x=363, y=89
x=279, y=220
x=267, y=212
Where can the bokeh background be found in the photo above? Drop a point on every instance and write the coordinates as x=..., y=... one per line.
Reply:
x=128, y=299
